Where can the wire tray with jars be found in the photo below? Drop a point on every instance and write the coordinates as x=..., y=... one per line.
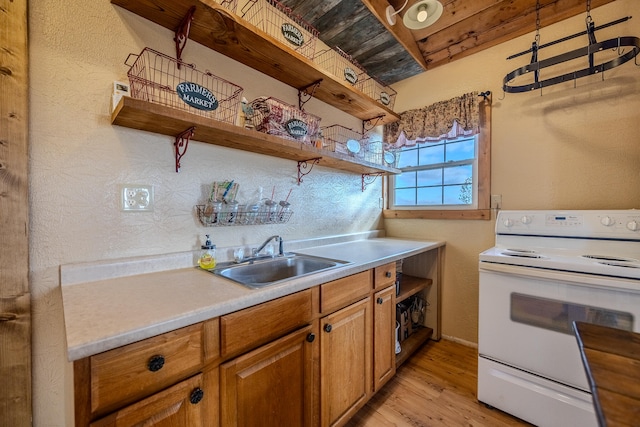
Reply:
x=209, y=216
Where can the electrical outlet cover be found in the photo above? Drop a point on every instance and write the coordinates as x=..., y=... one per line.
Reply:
x=137, y=198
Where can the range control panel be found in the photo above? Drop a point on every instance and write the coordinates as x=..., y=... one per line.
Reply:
x=615, y=224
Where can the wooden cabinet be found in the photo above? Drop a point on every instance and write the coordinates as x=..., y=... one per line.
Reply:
x=384, y=320
x=312, y=358
x=273, y=385
x=152, y=380
x=180, y=405
x=345, y=362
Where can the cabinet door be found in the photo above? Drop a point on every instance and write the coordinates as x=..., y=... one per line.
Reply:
x=345, y=362
x=272, y=385
x=177, y=406
x=384, y=320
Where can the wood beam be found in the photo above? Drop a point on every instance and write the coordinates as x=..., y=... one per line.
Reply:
x=15, y=299
x=496, y=25
x=400, y=32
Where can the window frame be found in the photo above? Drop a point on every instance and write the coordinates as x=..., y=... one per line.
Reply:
x=483, y=209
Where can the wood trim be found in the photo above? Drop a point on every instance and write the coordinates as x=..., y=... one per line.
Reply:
x=434, y=214
x=15, y=298
x=82, y=391
x=484, y=182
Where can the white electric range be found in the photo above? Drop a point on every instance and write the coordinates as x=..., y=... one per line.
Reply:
x=547, y=270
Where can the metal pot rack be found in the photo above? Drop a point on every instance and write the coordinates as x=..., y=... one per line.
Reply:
x=589, y=51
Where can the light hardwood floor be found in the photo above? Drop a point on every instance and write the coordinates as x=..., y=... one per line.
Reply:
x=435, y=387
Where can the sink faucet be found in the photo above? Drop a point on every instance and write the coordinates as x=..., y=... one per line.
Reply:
x=255, y=252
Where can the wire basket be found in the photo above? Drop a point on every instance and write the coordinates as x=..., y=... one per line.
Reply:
x=281, y=23
x=272, y=116
x=378, y=91
x=373, y=152
x=161, y=79
x=340, y=64
x=343, y=140
x=244, y=216
x=231, y=5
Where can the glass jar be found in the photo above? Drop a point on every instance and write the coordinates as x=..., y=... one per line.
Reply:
x=270, y=211
x=285, y=211
x=230, y=212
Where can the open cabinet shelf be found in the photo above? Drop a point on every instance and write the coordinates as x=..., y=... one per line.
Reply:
x=143, y=115
x=218, y=29
x=409, y=286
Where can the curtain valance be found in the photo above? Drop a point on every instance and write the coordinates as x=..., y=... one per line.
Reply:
x=445, y=119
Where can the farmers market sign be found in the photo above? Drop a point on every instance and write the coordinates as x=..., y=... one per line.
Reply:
x=197, y=96
x=384, y=98
x=296, y=128
x=350, y=75
x=292, y=34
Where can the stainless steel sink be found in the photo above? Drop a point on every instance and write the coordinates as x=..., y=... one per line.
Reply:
x=265, y=272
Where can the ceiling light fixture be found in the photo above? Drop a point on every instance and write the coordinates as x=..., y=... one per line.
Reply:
x=422, y=14
x=391, y=13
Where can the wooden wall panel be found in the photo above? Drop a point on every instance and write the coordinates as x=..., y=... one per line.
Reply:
x=15, y=312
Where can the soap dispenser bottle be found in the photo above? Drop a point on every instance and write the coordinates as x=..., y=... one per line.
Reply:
x=207, y=260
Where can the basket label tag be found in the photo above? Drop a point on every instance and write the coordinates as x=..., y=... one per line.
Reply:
x=292, y=34
x=350, y=75
x=197, y=96
x=296, y=128
x=384, y=98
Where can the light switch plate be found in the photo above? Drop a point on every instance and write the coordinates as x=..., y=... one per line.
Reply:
x=496, y=201
x=137, y=198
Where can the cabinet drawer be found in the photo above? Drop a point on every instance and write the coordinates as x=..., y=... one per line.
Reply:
x=180, y=405
x=247, y=329
x=384, y=275
x=337, y=294
x=126, y=374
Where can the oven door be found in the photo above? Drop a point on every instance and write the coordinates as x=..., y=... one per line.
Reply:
x=526, y=314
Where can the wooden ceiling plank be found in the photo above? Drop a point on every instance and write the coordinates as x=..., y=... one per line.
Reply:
x=495, y=36
x=474, y=35
x=399, y=31
x=456, y=11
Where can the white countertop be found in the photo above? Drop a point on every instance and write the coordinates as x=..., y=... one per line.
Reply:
x=104, y=314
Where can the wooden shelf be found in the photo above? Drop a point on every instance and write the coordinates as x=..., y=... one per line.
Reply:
x=411, y=344
x=217, y=28
x=410, y=285
x=150, y=117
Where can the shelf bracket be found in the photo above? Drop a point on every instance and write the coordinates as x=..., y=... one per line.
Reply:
x=182, y=33
x=181, y=144
x=303, y=165
x=369, y=124
x=304, y=95
x=369, y=178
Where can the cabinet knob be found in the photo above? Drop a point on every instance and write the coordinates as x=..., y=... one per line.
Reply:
x=327, y=328
x=156, y=363
x=196, y=395
x=388, y=274
x=379, y=300
x=311, y=337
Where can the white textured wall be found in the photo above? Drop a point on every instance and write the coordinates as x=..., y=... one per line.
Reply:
x=571, y=148
x=78, y=160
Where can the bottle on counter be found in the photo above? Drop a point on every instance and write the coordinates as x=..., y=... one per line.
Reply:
x=207, y=260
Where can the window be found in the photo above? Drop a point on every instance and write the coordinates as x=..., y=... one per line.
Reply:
x=447, y=179
x=437, y=175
